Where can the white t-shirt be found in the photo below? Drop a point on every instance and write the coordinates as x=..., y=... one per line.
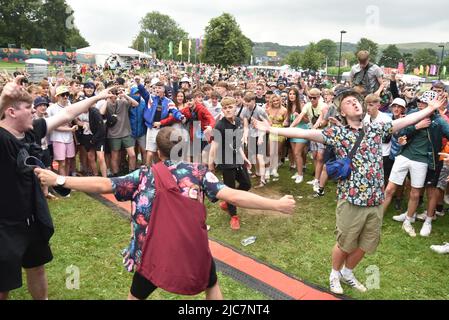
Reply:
x=384, y=118
x=59, y=136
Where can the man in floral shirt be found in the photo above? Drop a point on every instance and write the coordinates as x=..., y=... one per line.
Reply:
x=193, y=180
x=360, y=197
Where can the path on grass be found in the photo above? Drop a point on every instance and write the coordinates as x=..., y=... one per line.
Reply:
x=262, y=277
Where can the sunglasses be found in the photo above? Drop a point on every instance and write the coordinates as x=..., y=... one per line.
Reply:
x=412, y=90
x=65, y=94
x=313, y=98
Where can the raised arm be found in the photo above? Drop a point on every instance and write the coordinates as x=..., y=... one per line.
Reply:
x=71, y=112
x=416, y=117
x=313, y=135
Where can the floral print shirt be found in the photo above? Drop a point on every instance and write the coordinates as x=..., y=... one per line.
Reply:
x=194, y=181
x=365, y=186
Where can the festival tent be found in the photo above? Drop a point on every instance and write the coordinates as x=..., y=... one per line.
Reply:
x=103, y=52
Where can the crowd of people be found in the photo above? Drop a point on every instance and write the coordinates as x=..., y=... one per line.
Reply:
x=200, y=120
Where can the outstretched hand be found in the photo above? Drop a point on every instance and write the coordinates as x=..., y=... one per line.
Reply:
x=439, y=102
x=46, y=177
x=287, y=204
x=263, y=125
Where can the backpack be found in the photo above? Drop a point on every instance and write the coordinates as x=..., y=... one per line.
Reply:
x=176, y=255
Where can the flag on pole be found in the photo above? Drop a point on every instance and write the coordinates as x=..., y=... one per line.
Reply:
x=180, y=48
x=433, y=70
x=427, y=70
x=416, y=71
x=197, y=44
x=170, y=49
x=190, y=48
x=421, y=69
x=401, y=68
x=444, y=71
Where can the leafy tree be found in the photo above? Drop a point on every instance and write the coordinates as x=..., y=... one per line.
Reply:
x=225, y=43
x=349, y=57
x=312, y=58
x=370, y=46
x=294, y=59
x=329, y=49
x=38, y=23
x=409, y=62
x=390, y=57
x=425, y=57
x=159, y=29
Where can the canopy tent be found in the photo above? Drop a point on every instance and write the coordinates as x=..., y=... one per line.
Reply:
x=102, y=53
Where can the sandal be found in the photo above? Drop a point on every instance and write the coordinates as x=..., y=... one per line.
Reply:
x=261, y=184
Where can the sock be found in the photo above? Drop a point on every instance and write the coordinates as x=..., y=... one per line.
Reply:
x=428, y=220
x=409, y=219
x=335, y=274
x=346, y=272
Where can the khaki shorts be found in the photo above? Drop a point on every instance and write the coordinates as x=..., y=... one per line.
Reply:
x=358, y=227
x=118, y=144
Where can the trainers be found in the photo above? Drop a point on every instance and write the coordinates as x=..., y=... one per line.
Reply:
x=312, y=182
x=275, y=174
x=426, y=229
x=224, y=206
x=335, y=285
x=423, y=216
x=407, y=227
x=443, y=249
x=353, y=282
x=439, y=214
x=295, y=176
x=319, y=193
x=402, y=217
x=267, y=175
x=316, y=187
x=235, y=223
x=299, y=179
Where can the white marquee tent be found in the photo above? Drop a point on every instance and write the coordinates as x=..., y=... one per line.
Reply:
x=103, y=52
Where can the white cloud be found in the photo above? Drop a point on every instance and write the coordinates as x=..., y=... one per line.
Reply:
x=282, y=21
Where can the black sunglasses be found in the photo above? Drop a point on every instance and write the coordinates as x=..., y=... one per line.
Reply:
x=313, y=98
x=65, y=94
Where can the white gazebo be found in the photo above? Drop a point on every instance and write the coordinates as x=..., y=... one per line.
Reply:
x=103, y=52
x=37, y=69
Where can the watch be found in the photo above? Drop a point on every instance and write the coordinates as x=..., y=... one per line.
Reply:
x=60, y=181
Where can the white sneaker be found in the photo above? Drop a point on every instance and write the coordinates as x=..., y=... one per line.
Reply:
x=439, y=214
x=402, y=217
x=267, y=175
x=275, y=174
x=353, y=282
x=407, y=227
x=441, y=249
x=423, y=216
x=335, y=285
x=312, y=182
x=296, y=175
x=299, y=179
x=426, y=229
x=316, y=187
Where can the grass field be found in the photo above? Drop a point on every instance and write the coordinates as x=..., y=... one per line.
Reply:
x=90, y=236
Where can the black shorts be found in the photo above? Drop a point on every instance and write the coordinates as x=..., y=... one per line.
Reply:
x=433, y=176
x=21, y=246
x=141, y=288
x=329, y=154
x=86, y=142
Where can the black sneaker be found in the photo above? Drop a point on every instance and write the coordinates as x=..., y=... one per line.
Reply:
x=319, y=193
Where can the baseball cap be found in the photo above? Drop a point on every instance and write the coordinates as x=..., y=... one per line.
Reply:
x=399, y=102
x=427, y=96
x=185, y=79
x=90, y=85
x=154, y=81
x=40, y=101
x=62, y=89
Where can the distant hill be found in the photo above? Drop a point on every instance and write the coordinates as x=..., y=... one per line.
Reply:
x=260, y=48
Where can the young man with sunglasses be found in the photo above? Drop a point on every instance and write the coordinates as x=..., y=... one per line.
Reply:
x=408, y=93
x=62, y=137
x=359, y=209
x=313, y=110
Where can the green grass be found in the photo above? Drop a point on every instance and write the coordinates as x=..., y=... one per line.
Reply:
x=10, y=65
x=302, y=244
x=90, y=236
